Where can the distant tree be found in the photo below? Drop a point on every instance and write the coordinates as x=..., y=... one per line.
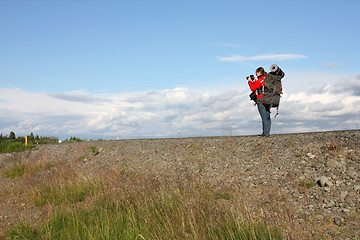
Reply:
x=3, y=138
x=12, y=136
x=31, y=137
x=20, y=139
x=74, y=139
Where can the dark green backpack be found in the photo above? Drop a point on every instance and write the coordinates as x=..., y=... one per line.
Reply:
x=273, y=87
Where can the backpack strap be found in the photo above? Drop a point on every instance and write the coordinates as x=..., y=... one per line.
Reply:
x=277, y=111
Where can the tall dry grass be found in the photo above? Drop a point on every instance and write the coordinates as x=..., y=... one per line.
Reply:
x=84, y=203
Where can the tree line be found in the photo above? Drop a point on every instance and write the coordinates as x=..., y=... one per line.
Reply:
x=31, y=139
x=12, y=143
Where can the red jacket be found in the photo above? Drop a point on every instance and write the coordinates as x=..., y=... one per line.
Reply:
x=258, y=86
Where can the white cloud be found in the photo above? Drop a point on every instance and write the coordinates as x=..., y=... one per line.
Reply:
x=176, y=96
x=332, y=65
x=277, y=57
x=179, y=111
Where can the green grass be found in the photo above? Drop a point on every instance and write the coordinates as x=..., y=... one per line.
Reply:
x=245, y=230
x=19, y=169
x=148, y=212
x=23, y=231
x=157, y=219
x=307, y=184
x=62, y=194
x=119, y=204
x=222, y=195
x=16, y=170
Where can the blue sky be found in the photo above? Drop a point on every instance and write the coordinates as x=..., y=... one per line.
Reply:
x=105, y=69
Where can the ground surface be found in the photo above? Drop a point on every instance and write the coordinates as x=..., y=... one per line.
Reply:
x=311, y=182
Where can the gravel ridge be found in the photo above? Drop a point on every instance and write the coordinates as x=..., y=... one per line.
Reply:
x=315, y=176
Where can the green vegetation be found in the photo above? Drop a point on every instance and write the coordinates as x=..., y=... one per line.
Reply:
x=114, y=205
x=23, y=231
x=8, y=147
x=16, y=170
x=13, y=144
x=94, y=149
x=62, y=194
x=165, y=216
x=222, y=195
x=74, y=139
x=307, y=183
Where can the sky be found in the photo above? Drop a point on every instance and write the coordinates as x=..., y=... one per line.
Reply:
x=175, y=68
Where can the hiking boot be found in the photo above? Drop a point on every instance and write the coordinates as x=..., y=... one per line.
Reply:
x=263, y=135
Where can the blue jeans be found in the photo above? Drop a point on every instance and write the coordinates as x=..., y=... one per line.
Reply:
x=265, y=117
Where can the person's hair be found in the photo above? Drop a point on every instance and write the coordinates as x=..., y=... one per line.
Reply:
x=261, y=71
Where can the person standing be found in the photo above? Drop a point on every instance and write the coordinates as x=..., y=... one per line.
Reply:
x=258, y=86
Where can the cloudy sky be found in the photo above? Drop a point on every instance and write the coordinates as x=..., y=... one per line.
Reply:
x=157, y=68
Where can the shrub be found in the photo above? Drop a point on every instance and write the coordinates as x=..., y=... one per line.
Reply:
x=9, y=147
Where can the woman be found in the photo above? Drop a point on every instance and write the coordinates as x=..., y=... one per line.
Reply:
x=264, y=109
